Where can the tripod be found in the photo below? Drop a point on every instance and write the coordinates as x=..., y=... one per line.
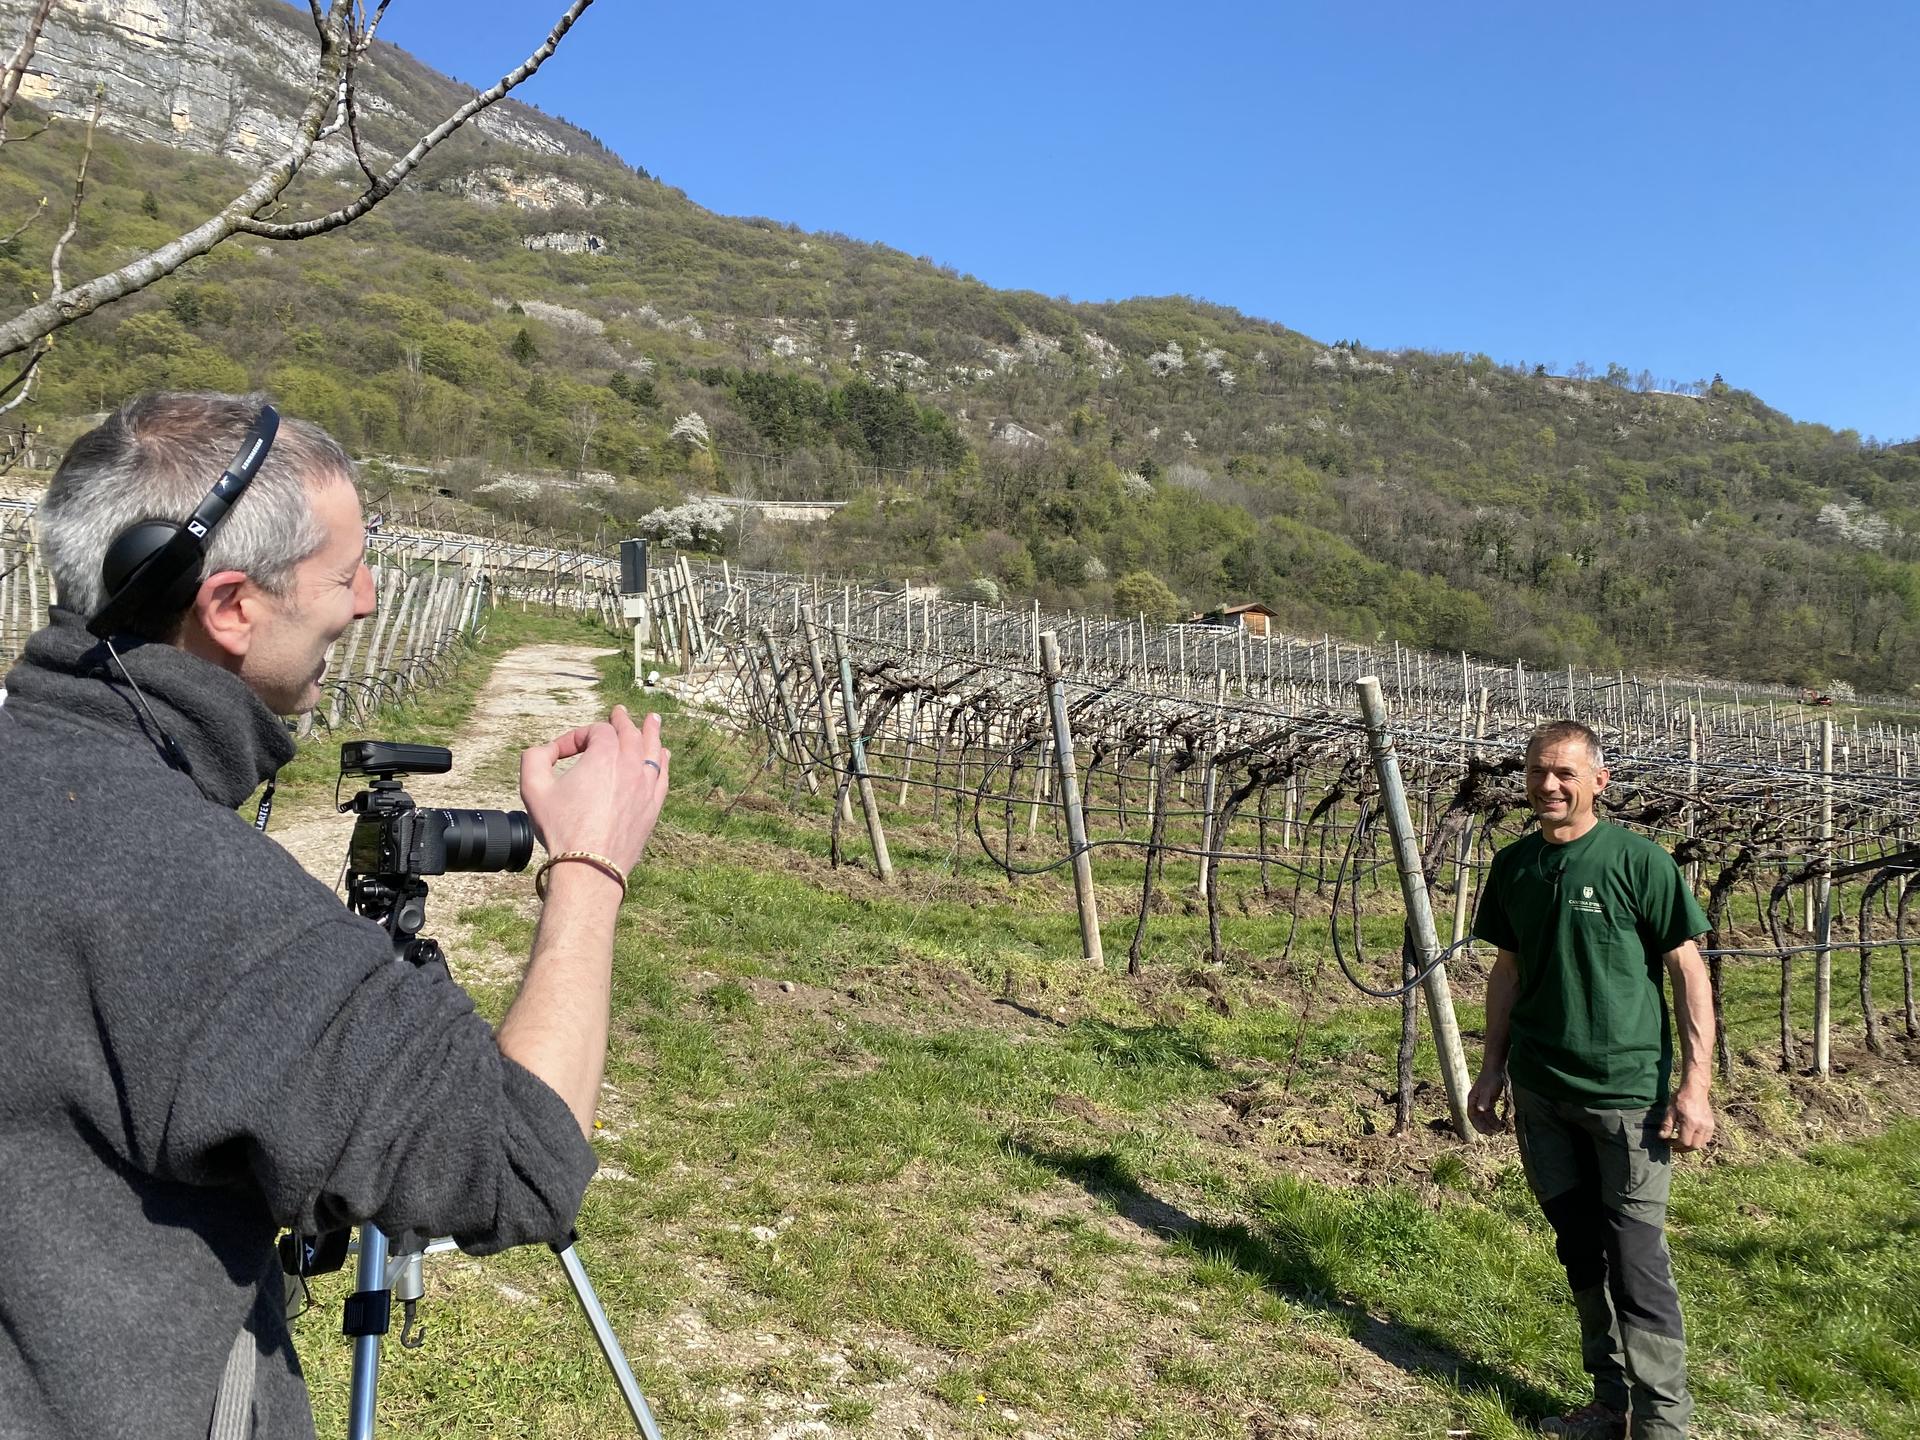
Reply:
x=399, y=904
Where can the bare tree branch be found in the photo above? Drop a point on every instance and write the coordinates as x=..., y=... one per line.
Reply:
x=25, y=377
x=64, y=307
x=372, y=25
x=79, y=187
x=31, y=370
x=406, y=164
x=17, y=67
x=349, y=113
x=21, y=228
x=339, y=39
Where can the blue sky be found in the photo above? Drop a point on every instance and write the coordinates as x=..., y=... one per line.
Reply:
x=1686, y=189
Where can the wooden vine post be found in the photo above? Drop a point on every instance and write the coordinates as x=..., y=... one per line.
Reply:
x=1413, y=888
x=857, y=751
x=696, y=629
x=1823, y=911
x=1070, y=798
x=787, y=715
x=1463, y=855
x=1209, y=784
x=1693, y=793
x=829, y=731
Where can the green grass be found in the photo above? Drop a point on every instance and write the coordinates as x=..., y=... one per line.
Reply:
x=953, y=1181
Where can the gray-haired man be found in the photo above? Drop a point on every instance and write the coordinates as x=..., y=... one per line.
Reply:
x=202, y=1044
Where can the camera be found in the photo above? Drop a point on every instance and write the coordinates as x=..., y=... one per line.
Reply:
x=393, y=837
x=395, y=843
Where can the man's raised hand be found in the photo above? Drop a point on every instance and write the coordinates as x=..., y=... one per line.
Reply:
x=608, y=801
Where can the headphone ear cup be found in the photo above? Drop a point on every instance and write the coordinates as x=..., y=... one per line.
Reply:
x=164, y=595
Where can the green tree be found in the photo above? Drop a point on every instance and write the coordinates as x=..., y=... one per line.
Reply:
x=523, y=350
x=1141, y=592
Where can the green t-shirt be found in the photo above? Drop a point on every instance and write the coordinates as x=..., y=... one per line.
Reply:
x=1589, y=921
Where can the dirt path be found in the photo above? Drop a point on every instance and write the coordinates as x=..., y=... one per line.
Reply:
x=532, y=695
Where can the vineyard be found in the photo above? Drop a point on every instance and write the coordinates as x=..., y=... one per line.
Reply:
x=1211, y=765
x=1238, y=769
x=1031, y=1092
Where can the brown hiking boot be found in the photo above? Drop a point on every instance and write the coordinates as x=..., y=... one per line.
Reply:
x=1589, y=1422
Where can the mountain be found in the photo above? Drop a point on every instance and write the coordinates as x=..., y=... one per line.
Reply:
x=229, y=77
x=562, y=337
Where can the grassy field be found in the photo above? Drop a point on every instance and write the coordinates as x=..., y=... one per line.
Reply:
x=890, y=1160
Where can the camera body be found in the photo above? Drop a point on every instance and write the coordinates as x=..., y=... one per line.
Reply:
x=393, y=838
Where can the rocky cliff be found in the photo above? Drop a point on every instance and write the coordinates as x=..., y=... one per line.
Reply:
x=230, y=77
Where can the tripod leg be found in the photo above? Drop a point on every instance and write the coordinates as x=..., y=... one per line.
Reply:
x=367, y=1312
x=609, y=1343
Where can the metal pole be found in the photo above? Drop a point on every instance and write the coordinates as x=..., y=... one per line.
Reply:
x=1070, y=797
x=1413, y=888
x=609, y=1343
x=370, y=1280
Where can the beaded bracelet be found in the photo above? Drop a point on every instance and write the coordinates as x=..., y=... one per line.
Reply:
x=585, y=857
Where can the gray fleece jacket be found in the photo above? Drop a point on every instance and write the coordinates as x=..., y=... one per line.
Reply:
x=200, y=1044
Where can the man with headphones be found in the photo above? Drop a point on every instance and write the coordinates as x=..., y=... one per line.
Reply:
x=203, y=1045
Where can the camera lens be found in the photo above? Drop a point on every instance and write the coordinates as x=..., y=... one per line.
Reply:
x=486, y=839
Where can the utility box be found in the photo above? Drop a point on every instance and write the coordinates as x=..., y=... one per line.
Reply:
x=633, y=597
x=633, y=567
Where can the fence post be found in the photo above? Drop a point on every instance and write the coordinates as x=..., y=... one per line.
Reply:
x=36, y=610
x=1209, y=784
x=1413, y=888
x=1693, y=792
x=405, y=613
x=787, y=713
x=828, y=728
x=1806, y=765
x=1463, y=861
x=1823, y=910
x=697, y=642
x=1070, y=797
x=857, y=748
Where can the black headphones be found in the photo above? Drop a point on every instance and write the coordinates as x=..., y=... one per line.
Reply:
x=153, y=568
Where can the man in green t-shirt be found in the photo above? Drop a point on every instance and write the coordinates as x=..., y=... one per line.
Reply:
x=1584, y=915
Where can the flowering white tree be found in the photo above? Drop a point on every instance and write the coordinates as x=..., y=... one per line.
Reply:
x=1165, y=362
x=695, y=525
x=982, y=589
x=692, y=429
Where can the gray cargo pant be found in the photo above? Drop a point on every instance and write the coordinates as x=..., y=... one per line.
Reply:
x=1602, y=1177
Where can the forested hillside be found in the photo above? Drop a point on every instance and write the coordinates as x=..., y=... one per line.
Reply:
x=525, y=313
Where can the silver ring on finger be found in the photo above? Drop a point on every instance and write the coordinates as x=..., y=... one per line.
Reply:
x=654, y=763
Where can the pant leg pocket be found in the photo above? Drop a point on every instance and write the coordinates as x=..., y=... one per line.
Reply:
x=1657, y=1149
x=1643, y=1163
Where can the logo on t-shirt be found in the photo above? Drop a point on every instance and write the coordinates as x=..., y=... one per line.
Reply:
x=1586, y=904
